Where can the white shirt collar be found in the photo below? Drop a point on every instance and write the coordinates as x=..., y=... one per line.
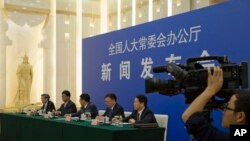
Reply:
x=113, y=106
x=85, y=106
x=140, y=112
x=45, y=105
x=65, y=104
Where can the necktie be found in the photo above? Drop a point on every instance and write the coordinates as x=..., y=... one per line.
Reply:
x=110, y=113
x=83, y=110
x=138, y=116
x=44, y=109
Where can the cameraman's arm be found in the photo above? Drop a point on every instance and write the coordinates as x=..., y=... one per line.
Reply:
x=215, y=82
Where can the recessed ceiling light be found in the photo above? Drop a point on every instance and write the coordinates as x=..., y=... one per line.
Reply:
x=91, y=24
x=66, y=36
x=178, y=3
x=140, y=15
x=158, y=9
x=124, y=19
x=110, y=24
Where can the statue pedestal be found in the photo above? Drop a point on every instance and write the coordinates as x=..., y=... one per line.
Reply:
x=21, y=108
x=10, y=110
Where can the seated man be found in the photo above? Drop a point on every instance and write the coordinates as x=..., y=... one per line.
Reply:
x=236, y=112
x=113, y=108
x=141, y=113
x=68, y=106
x=48, y=106
x=86, y=106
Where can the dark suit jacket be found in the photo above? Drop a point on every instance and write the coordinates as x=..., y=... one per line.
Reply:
x=147, y=116
x=117, y=111
x=50, y=107
x=68, y=109
x=90, y=108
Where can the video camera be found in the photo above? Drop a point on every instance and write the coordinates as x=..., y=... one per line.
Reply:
x=191, y=79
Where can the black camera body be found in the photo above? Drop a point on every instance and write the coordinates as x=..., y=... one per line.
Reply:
x=191, y=79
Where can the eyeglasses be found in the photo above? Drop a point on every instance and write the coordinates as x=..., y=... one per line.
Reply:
x=225, y=107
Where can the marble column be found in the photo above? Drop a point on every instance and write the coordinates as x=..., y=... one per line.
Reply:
x=78, y=48
x=4, y=41
x=49, y=46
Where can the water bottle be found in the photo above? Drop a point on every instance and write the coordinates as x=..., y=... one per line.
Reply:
x=83, y=117
x=49, y=114
x=120, y=121
x=106, y=119
x=88, y=116
x=40, y=112
x=53, y=113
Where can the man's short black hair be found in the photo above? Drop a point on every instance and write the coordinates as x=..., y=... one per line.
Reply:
x=242, y=103
x=85, y=97
x=142, y=99
x=66, y=92
x=46, y=96
x=111, y=96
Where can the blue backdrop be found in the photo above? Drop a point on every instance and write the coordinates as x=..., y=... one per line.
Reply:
x=119, y=61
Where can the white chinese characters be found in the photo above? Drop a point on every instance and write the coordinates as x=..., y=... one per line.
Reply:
x=106, y=71
x=125, y=70
x=157, y=40
x=147, y=66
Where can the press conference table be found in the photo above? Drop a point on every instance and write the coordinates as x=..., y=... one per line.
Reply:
x=19, y=127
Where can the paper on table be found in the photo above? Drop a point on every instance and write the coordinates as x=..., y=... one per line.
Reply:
x=124, y=123
x=59, y=118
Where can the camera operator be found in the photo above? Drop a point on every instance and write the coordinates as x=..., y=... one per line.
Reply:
x=236, y=112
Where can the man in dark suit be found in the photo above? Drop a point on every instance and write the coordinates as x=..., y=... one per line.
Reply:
x=141, y=113
x=68, y=106
x=48, y=106
x=87, y=106
x=113, y=108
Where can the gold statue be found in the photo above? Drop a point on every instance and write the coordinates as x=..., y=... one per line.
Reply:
x=24, y=77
